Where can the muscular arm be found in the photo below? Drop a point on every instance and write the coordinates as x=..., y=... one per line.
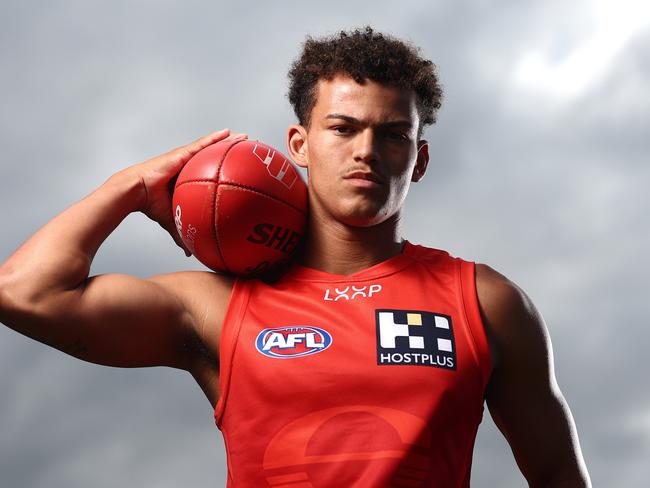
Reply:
x=523, y=396
x=118, y=320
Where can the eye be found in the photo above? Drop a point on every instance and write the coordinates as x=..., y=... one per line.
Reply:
x=342, y=130
x=398, y=136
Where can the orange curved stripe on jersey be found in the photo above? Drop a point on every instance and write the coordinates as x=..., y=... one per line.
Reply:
x=288, y=447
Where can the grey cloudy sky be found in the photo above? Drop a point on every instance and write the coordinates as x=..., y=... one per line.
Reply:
x=539, y=168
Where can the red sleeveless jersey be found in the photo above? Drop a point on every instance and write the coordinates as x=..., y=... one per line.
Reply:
x=375, y=379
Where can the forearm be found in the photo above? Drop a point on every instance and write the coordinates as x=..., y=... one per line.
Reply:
x=58, y=256
x=580, y=481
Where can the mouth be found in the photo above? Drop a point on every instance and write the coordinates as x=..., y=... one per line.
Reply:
x=364, y=178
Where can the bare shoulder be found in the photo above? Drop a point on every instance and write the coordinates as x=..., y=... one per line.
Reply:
x=205, y=295
x=509, y=315
x=517, y=331
x=523, y=396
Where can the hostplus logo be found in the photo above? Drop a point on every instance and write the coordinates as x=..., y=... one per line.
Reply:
x=406, y=337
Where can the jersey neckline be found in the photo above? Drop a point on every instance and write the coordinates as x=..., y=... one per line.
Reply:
x=391, y=265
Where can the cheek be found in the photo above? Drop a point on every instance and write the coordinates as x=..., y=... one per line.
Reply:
x=399, y=188
x=323, y=167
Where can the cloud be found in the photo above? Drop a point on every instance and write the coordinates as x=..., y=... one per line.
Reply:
x=538, y=169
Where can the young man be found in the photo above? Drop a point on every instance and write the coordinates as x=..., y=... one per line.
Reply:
x=404, y=342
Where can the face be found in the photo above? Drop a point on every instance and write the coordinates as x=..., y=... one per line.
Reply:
x=361, y=151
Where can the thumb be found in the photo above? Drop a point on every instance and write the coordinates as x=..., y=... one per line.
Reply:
x=170, y=226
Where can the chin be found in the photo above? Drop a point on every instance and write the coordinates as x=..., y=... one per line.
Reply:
x=363, y=219
x=354, y=212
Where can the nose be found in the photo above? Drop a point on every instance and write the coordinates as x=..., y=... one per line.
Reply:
x=366, y=146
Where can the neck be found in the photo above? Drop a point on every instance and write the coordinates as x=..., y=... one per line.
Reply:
x=340, y=249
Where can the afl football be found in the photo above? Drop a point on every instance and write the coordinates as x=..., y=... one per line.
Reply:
x=240, y=207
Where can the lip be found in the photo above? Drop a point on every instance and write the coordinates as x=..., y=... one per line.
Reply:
x=363, y=176
x=361, y=183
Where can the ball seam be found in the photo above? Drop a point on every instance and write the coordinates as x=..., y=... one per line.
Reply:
x=245, y=187
x=214, y=206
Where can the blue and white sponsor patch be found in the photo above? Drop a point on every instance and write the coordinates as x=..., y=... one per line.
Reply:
x=292, y=342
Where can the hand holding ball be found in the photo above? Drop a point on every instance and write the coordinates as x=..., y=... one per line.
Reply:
x=240, y=207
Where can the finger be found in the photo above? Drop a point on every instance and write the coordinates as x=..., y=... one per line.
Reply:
x=192, y=148
x=175, y=159
x=188, y=150
x=236, y=136
x=181, y=155
x=170, y=227
x=205, y=141
x=169, y=224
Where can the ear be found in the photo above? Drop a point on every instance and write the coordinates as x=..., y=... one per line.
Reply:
x=297, y=144
x=421, y=162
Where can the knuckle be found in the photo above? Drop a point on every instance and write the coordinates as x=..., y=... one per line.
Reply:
x=179, y=155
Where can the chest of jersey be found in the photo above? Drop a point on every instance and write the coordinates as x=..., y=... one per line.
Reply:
x=372, y=378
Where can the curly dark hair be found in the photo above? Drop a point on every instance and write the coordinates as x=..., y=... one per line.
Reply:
x=364, y=54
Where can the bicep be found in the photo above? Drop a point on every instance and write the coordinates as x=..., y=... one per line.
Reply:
x=523, y=396
x=131, y=322
x=115, y=320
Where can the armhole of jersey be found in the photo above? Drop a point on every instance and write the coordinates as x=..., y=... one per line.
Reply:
x=228, y=341
x=467, y=275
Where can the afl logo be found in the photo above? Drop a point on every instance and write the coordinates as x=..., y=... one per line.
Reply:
x=292, y=342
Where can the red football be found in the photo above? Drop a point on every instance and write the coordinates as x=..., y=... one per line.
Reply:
x=240, y=207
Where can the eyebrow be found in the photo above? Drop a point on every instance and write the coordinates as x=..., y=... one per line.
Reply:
x=354, y=120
